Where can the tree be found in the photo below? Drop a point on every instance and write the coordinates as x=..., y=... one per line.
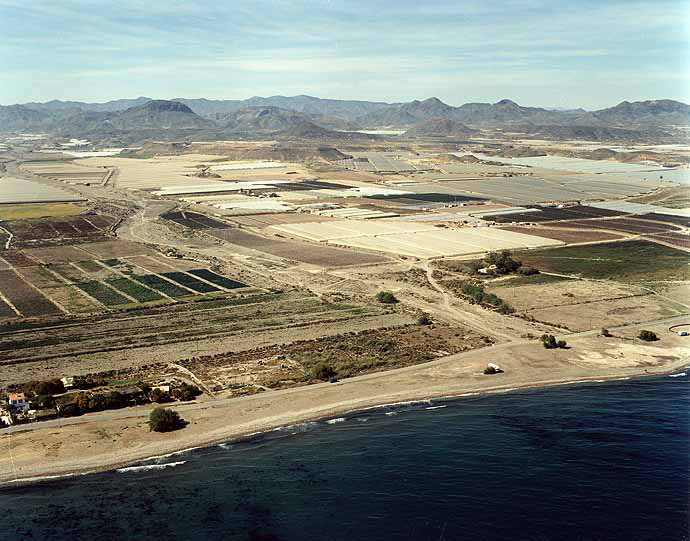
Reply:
x=505, y=264
x=386, y=297
x=549, y=341
x=159, y=396
x=164, y=420
x=323, y=371
x=82, y=402
x=648, y=336
x=186, y=392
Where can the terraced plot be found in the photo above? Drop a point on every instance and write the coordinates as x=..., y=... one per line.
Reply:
x=217, y=279
x=189, y=282
x=6, y=310
x=24, y=297
x=103, y=293
x=133, y=289
x=159, y=284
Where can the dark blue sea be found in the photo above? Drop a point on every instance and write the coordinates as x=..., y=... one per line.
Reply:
x=598, y=461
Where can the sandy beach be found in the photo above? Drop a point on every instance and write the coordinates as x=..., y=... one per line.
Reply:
x=113, y=439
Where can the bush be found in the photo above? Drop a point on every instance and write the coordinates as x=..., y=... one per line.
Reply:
x=505, y=264
x=424, y=319
x=323, y=371
x=648, y=336
x=386, y=297
x=164, y=420
x=48, y=387
x=159, y=396
x=549, y=342
x=186, y=392
x=605, y=332
x=528, y=271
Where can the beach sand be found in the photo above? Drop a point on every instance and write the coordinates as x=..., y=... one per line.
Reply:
x=113, y=439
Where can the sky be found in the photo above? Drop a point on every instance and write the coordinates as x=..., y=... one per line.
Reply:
x=585, y=53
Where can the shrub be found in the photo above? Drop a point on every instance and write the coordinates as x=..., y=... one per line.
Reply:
x=648, y=336
x=549, y=341
x=386, y=297
x=323, y=371
x=424, y=319
x=159, y=396
x=561, y=344
x=505, y=264
x=164, y=420
x=605, y=332
x=528, y=271
x=186, y=392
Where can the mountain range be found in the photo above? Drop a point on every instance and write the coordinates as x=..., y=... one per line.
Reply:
x=131, y=120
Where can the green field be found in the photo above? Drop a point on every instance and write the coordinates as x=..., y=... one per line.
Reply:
x=38, y=210
x=89, y=266
x=165, y=287
x=102, y=293
x=629, y=261
x=217, y=279
x=133, y=289
x=189, y=281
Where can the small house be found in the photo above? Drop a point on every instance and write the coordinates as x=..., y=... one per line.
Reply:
x=68, y=382
x=18, y=401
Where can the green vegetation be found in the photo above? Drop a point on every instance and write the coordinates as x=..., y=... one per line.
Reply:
x=186, y=392
x=503, y=262
x=217, y=279
x=605, y=332
x=475, y=292
x=160, y=396
x=648, y=336
x=133, y=289
x=549, y=342
x=89, y=266
x=157, y=283
x=386, y=297
x=164, y=420
x=39, y=210
x=323, y=372
x=102, y=293
x=189, y=281
x=630, y=261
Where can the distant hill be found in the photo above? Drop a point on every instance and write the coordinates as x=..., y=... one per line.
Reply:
x=134, y=119
x=440, y=127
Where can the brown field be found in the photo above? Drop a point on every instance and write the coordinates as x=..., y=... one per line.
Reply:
x=114, y=248
x=73, y=300
x=625, y=225
x=25, y=298
x=158, y=264
x=58, y=231
x=305, y=253
x=676, y=239
x=18, y=258
x=608, y=313
x=57, y=254
x=39, y=210
x=40, y=277
x=571, y=237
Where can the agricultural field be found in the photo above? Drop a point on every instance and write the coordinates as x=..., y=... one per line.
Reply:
x=159, y=325
x=312, y=254
x=40, y=210
x=568, y=236
x=411, y=238
x=58, y=230
x=67, y=171
x=194, y=220
x=549, y=214
x=633, y=261
x=624, y=225
x=22, y=191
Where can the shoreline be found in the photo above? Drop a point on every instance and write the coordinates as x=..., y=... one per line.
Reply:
x=233, y=436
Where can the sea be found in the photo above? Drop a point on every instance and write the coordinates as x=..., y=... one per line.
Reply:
x=595, y=461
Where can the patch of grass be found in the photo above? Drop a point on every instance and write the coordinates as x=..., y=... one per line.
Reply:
x=40, y=210
x=534, y=279
x=157, y=283
x=217, y=279
x=189, y=281
x=133, y=289
x=628, y=261
x=102, y=293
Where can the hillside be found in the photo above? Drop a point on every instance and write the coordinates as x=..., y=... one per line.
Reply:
x=440, y=127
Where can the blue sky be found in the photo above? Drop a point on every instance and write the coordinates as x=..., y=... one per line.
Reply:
x=589, y=53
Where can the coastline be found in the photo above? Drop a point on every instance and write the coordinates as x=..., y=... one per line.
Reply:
x=38, y=454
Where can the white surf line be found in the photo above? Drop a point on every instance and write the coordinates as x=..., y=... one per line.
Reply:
x=115, y=271
x=9, y=239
